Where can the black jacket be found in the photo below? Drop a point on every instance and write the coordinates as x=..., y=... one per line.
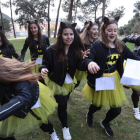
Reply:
x=33, y=49
x=98, y=54
x=17, y=98
x=10, y=53
x=58, y=70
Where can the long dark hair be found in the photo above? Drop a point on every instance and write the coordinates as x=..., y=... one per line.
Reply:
x=6, y=44
x=30, y=35
x=118, y=43
x=77, y=43
x=85, y=35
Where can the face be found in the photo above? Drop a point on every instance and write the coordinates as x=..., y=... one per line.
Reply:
x=67, y=36
x=111, y=32
x=34, y=29
x=93, y=32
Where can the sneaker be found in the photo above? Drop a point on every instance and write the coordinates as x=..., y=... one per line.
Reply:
x=136, y=113
x=66, y=134
x=54, y=136
x=107, y=128
x=89, y=120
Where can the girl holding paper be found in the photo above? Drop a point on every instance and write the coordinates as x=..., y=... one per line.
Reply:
x=89, y=35
x=25, y=103
x=36, y=42
x=59, y=65
x=107, y=55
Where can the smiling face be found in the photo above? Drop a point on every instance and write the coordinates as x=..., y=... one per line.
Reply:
x=111, y=32
x=34, y=29
x=67, y=36
x=93, y=32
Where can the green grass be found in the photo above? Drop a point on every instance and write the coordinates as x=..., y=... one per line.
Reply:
x=125, y=126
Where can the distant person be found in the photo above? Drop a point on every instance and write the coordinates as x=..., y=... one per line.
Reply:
x=6, y=48
x=134, y=38
x=36, y=42
x=84, y=26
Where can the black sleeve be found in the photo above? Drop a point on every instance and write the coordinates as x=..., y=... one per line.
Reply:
x=21, y=99
x=14, y=53
x=130, y=54
x=24, y=49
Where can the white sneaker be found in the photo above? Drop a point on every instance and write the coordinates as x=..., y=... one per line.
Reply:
x=54, y=136
x=66, y=134
x=136, y=113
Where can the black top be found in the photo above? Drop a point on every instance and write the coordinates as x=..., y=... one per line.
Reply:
x=33, y=49
x=112, y=59
x=58, y=70
x=5, y=53
x=98, y=54
x=17, y=98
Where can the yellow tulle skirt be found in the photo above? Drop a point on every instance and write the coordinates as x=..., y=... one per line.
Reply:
x=104, y=98
x=80, y=75
x=58, y=90
x=16, y=126
x=135, y=87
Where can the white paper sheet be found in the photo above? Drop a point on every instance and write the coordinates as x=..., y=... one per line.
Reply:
x=105, y=83
x=39, y=60
x=68, y=79
x=37, y=104
x=131, y=75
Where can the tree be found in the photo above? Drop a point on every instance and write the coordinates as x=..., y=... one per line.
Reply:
x=76, y=5
x=90, y=9
x=70, y=11
x=6, y=23
x=56, y=23
x=137, y=9
x=116, y=12
x=2, y=23
x=28, y=9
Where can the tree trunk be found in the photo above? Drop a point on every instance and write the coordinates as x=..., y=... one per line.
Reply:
x=103, y=10
x=49, y=18
x=56, y=23
x=76, y=10
x=12, y=19
x=70, y=12
x=2, y=18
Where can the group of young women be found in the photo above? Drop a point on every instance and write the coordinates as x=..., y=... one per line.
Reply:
x=62, y=66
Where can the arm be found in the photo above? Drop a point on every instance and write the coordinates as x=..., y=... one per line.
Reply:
x=21, y=99
x=23, y=51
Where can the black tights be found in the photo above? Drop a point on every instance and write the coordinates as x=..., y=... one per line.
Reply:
x=110, y=115
x=9, y=138
x=78, y=82
x=135, y=98
x=62, y=109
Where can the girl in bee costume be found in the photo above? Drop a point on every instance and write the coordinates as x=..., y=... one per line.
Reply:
x=6, y=48
x=36, y=42
x=106, y=59
x=25, y=103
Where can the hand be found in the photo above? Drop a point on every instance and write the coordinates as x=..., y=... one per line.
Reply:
x=85, y=53
x=44, y=73
x=93, y=67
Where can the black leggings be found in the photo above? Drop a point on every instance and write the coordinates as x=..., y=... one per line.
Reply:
x=110, y=115
x=62, y=109
x=9, y=138
x=135, y=98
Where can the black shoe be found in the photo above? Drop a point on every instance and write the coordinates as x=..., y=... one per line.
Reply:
x=89, y=120
x=107, y=128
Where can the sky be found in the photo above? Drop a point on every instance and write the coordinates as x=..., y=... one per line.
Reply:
x=128, y=5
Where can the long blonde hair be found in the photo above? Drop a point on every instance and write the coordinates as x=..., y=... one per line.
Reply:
x=12, y=70
x=118, y=43
x=85, y=35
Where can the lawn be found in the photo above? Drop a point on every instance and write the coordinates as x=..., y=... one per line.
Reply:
x=125, y=126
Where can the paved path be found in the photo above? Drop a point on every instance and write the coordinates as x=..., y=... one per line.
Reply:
x=17, y=38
